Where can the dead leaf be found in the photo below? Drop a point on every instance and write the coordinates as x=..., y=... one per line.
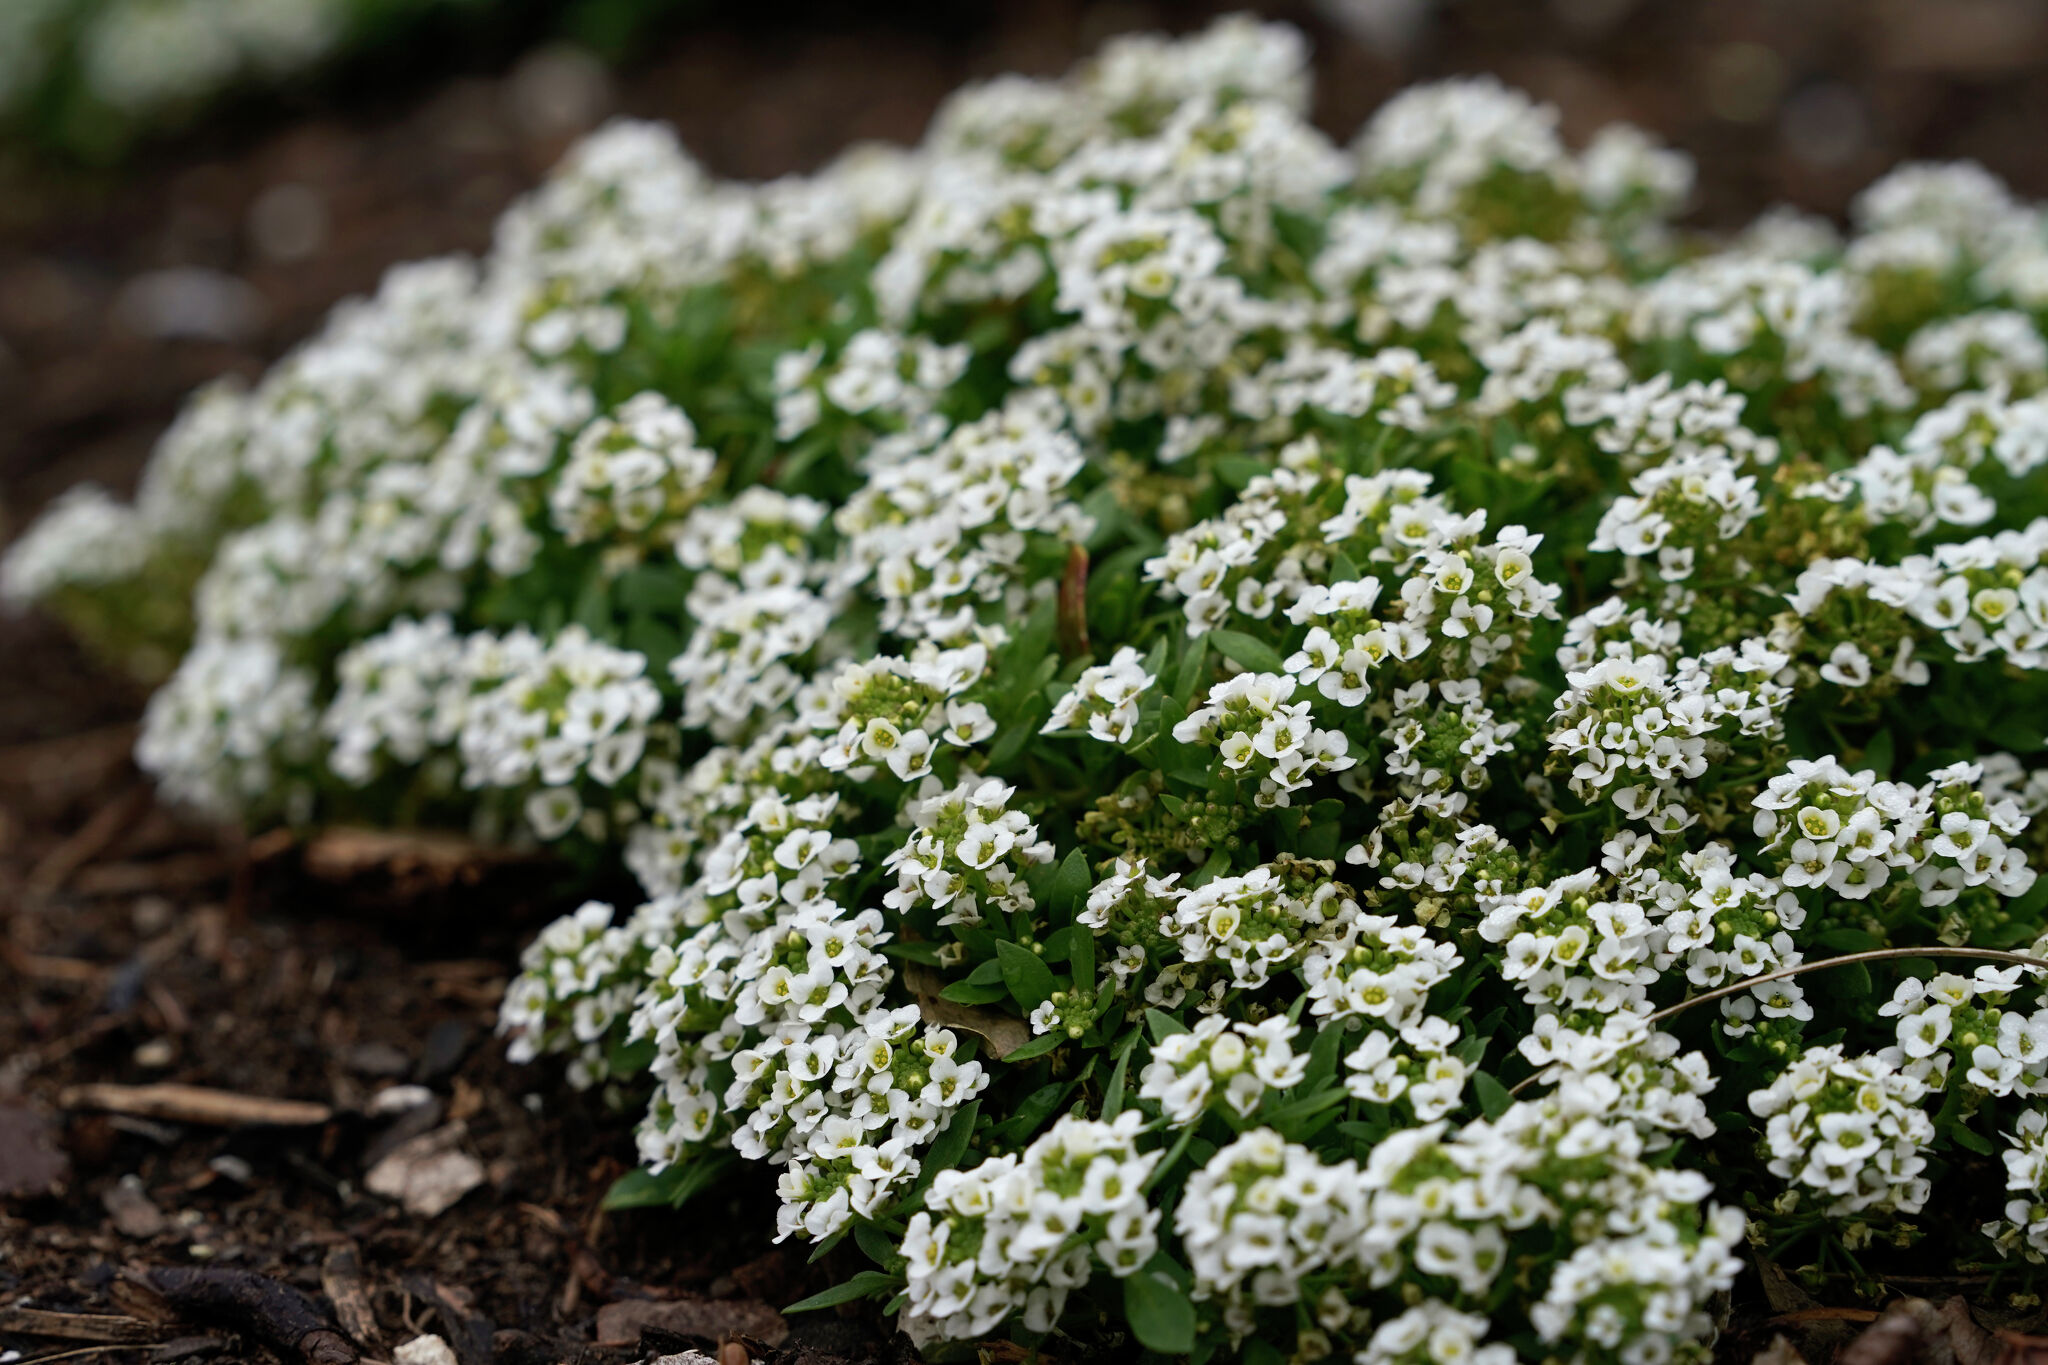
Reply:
x=1914, y=1331
x=1002, y=1033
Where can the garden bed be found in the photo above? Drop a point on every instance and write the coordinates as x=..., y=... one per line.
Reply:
x=148, y=951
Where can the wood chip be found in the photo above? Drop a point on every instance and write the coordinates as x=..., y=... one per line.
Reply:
x=196, y=1104
x=1002, y=1034
x=100, y=1327
x=341, y=1278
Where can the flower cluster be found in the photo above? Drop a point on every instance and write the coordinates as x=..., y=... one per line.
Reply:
x=1018, y=1234
x=1220, y=1062
x=1250, y=722
x=1264, y=1213
x=965, y=851
x=1849, y=1129
x=1105, y=699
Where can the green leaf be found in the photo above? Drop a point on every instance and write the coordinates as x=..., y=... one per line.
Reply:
x=1971, y=1139
x=1059, y=944
x=1163, y=1025
x=1035, y=1109
x=877, y=1245
x=674, y=1187
x=1070, y=885
x=820, y=1250
x=630, y=1059
x=1186, y=680
x=1113, y=1094
x=967, y=993
x=1878, y=753
x=1173, y=1155
x=1245, y=651
x=951, y=1143
x=1081, y=963
x=1017, y=732
x=1037, y=1047
x=1287, y=1115
x=1025, y=973
x=868, y=1284
x=1322, y=1058
x=1258, y=1351
x=637, y=1189
x=1493, y=1097
x=1160, y=1313
x=1239, y=470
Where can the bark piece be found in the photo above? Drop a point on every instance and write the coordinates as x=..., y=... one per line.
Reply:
x=267, y=1309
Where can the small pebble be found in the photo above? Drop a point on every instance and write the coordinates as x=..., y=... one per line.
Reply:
x=156, y=1054
x=230, y=1167
x=427, y=1350
x=134, y=1215
x=399, y=1099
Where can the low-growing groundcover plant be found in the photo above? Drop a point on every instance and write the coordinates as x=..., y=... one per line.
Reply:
x=1285, y=750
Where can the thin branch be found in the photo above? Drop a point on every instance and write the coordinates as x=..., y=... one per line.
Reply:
x=1784, y=973
x=1868, y=955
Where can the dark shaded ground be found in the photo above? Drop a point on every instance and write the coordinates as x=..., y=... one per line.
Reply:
x=136, y=949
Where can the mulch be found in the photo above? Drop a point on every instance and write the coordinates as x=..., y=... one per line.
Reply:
x=210, y=1039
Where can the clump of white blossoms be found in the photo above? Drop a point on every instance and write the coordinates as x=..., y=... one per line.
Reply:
x=1228, y=739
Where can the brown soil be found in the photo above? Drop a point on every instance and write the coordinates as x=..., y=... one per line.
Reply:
x=137, y=949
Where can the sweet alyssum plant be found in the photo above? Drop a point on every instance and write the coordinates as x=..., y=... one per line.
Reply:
x=1194, y=706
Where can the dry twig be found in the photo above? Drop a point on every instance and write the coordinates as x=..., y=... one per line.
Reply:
x=110, y=1328
x=196, y=1104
